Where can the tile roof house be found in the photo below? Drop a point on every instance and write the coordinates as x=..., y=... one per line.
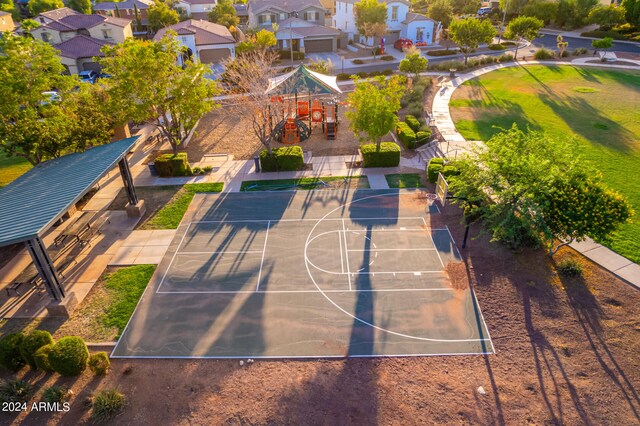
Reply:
x=61, y=26
x=196, y=9
x=207, y=42
x=126, y=10
x=6, y=22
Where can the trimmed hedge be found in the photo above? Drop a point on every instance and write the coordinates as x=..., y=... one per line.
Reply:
x=406, y=135
x=434, y=167
x=168, y=165
x=343, y=76
x=282, y=159
x=31, y=343
x=422, y=137
x=388, y=156
x=450, y=170
x=497, y=46
x=413, y=122
x=10, y=357
x=442, y=52
x=357, y=61
x=69, y=356
x=387, y=58
x=99, y=363
x=41, y=358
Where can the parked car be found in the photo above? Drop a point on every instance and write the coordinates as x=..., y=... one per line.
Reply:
x=484, y=11
x=88, y=76
x=402, y=43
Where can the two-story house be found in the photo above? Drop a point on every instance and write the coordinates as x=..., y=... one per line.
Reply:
x=206, y=42
x=80, y=37
x=298, y=24
x=196, y=9
x=400, y=23
x=126, y=10
x=6, y=22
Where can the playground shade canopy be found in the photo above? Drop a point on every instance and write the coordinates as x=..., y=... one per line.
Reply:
x=303, y=80
x=33, y=202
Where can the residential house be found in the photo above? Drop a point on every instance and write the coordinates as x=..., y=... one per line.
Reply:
x=196, y=9
x=206, y=42
x=400, y=23
x=6, y=22
x=127, y=10
x=299, y=24
x=243, y=14
x=63, y=25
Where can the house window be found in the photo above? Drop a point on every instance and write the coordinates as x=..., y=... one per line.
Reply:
x=106, y=34
x=265, y=19
x=42, y=20
x=283, y=16
x=419, y=34
x=311, y=16
x=394, y=13
x=46, y=37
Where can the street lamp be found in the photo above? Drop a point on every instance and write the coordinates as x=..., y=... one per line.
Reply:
x=293, y=14
x=504, y=15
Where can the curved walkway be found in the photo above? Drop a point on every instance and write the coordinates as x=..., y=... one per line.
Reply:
x=606, y=258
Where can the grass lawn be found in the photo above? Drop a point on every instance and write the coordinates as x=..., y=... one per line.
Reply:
x=599, y=109
x=406, y=180
x=330, y=182
x=12, y=168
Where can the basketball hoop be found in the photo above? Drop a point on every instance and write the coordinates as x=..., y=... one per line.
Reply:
x=431, y=198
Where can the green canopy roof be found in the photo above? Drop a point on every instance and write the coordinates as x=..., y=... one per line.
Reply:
x=303, y=80
x=32, y=203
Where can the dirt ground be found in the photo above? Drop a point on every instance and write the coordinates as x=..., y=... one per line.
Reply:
x=567, y=352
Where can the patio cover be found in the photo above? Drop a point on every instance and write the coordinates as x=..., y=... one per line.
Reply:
x=32, y=203
x=303, y=80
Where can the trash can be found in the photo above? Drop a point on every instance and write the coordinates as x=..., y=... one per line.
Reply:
x=452, y=73
x=256, y=160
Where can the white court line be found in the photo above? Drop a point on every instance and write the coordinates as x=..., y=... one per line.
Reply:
x=220, y=252
x=173, y=258
x=454, y=242
x=263, y=252
x=434, y=243
x=302, y=291
x=341, y=253
x=346, y=249
x=306, y=220
x=393, y=249
x=306, y=356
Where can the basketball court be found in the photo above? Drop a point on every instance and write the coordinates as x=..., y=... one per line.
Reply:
x=306, y=274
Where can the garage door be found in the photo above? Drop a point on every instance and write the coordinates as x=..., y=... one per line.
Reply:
x=391, y=37
x=211, y=56
x=91, y=66
x=316, y=46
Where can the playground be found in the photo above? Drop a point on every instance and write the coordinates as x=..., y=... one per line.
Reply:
x=306, y=275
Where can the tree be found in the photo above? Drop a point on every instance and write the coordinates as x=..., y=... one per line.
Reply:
x=544, y=10
x=607, y=16
x=374, y=30
x=441, y=11
x=371, y=18
x=562, y=45
x=603, y=44
x=469, y=33
x=264, y=39
x=160, y=15
x=524, y=27
x=29, y=25
x=9, y=7
x=34, y=126
x=373, y=106
x=82, y=6
x=632, y=11
x=465, y=7
x=529, y=188
x=248, y=76
x=574, y=13
x=320, y=66
x=137, y=17
x=224, y=14
x=36, y=7
x=413, y=62
x=148, y=84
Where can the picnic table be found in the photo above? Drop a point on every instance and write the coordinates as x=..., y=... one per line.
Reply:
x=75, y=228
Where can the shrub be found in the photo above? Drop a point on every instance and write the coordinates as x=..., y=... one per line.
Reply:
x=15, y=391
x=343, y=76
x=168, y=165
x=10, y=357
x=433, y=169
x=375, y=73
x=565, y=53
x=363, y=74
x=579, y=51
x=197, y=171
x=442, y=52
x=415, y=108
x=422, y=137
x=497, y=46
x=406, y=135
x=507, y=57
x=55, y=394
x=388, y=156
x=542, y=54
x=357, y=61
x=450, y=170
x=99, y=363
x=387, y=58
x=106, y=404
x=509, y=43
x=569, y=267
x=282, y=159
x=413, y=122
x=207, y=169
x=31, y=343
x=286, y=54
x=387, y=72
x=69, y=356
x=41, y=358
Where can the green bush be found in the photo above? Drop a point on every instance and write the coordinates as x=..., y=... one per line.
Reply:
x=197, y=170
x=422, y=137
x=375, y=73
x=106, y=404
x=168, y=165
x=363, y=74
x=282, y=159
x=415, y=108
x=406, y=135
x=99, y=363
x=432, y=171
x=437, y=160
x=32, y=342
x=388, y=156
x=442, y=52
x=387, y=58
x=497, y=46
x=569, y=267
x=542, y=54
x=509, y=43
x=579, y=51
x=207, y=169
x=507, y=57
x=357, y=61
x=343, y=76
x=15, y=391
x=55, y=394
x=41, y=358
x=450, y=170
x=413, y=122
x=10, y=357
x=387, y=72
x=69, y=356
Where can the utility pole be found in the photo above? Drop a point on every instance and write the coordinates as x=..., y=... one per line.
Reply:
x=504, y=15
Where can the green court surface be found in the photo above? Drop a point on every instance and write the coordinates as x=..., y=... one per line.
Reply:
x=314, y=274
